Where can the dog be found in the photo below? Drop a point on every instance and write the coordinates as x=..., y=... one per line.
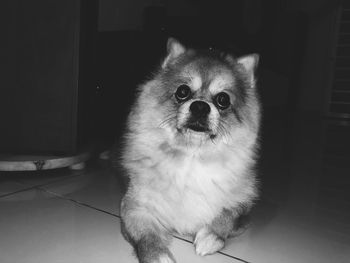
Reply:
x=189, y=152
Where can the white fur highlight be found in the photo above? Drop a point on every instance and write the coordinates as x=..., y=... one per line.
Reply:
x=220, y=83
x=207, y=243
x=196, y=82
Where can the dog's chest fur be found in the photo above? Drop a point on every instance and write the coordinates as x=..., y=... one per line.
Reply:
x=187, y=189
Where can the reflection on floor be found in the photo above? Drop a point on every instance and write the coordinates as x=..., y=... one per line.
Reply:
x=303, y=214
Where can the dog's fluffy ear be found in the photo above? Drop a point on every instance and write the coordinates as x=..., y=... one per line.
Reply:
x=174, y=50
x=249, y=64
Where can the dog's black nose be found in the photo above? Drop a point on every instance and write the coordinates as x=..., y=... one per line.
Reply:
x=199, y=108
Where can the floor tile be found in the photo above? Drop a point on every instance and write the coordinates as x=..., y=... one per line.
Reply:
x=44, y=177
x=8, y=187
x=98, y=186
x=44, y=228
x=281, y=236
x=303, y=214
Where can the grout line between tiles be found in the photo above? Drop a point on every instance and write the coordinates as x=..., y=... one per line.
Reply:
x=236, y=258
x=32, y=187
x=19, y=191
x=222, y=253
x=77, y=202
x=118, y=216
x=66, y=177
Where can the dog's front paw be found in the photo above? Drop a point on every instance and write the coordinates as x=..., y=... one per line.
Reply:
x=158, y=258
x=206, y=242
x=165, y=258
x=156, y=255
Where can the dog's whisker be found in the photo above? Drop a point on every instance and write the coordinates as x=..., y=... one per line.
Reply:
x=167, y=120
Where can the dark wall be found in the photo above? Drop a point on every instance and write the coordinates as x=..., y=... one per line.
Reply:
x=47, y=53
x=129, y=48
x=289, y=36
x=292, y=37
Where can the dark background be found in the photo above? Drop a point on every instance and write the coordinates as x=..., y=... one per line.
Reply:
x=293, y=38
x=70, y=68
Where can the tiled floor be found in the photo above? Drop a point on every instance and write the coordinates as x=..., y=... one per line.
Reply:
x=303, y=215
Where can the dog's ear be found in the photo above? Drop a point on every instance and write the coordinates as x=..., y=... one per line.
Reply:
x=249, y=63
x=174, y=50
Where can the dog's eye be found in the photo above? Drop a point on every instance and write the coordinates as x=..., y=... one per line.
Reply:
x=222, y=100
x=183, y=92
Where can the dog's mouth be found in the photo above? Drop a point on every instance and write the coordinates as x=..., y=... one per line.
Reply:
x=197, y=131
x=198, y=126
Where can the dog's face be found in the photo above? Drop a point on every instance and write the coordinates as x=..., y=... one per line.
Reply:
x=204, y=94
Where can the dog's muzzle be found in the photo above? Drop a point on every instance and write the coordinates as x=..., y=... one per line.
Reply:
x=198, y=120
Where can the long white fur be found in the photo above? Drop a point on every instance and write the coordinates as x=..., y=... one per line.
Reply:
x=184, y=185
